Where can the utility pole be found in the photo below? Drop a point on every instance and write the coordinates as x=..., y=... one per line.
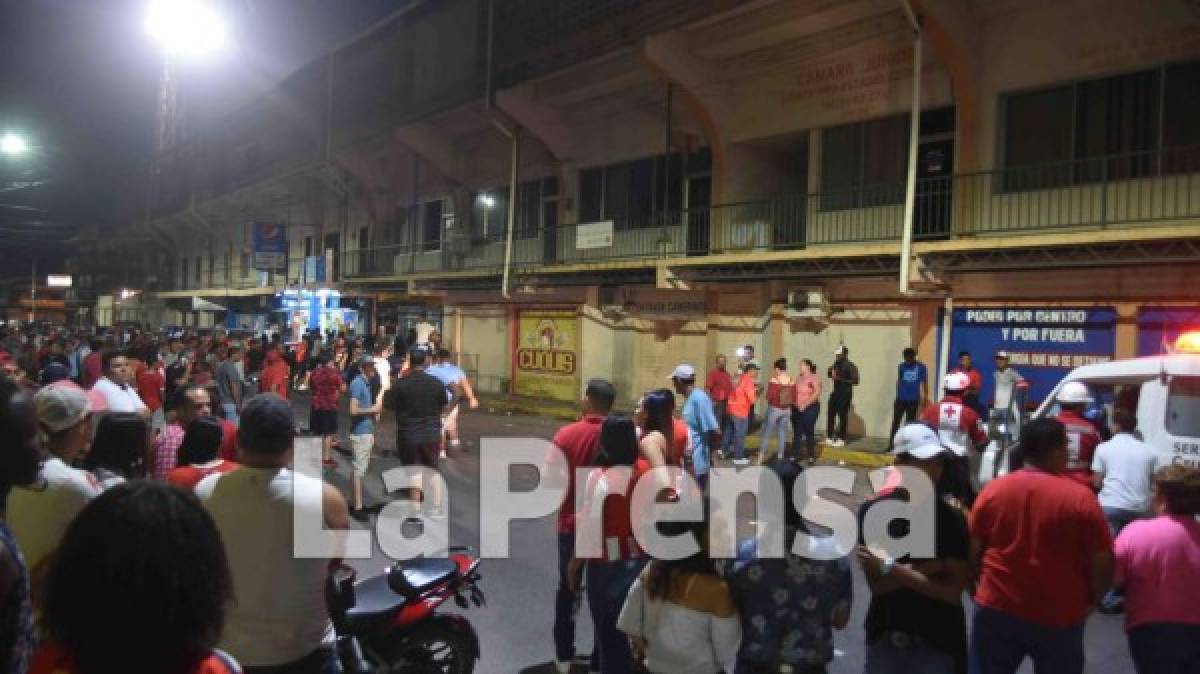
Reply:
x=33, y=293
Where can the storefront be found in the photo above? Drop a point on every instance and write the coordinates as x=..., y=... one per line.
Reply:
x=307, y=310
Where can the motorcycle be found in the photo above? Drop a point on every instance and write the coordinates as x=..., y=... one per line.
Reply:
x=390, y=623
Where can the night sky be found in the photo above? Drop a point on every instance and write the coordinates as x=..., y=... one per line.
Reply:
x=79, y=79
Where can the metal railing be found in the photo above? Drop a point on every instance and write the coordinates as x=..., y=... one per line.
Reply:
x=1121, y=190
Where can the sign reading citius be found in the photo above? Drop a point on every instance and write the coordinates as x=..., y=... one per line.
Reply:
x=546, y=362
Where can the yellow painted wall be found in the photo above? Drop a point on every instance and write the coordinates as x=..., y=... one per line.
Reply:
x=485, y=334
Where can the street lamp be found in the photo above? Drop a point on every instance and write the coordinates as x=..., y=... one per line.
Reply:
x=487, y=201
x=13, y=145
x=187, y=27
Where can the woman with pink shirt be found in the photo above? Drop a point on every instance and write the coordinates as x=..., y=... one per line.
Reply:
x=806, y=407
x=1158, y=566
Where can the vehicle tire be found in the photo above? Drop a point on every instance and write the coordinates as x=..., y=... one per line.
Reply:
x=439, y=646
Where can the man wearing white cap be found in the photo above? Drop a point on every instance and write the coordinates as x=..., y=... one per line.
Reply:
x=845, y=377
x=960, y=429
x=698, y=414
x=39, y=514
x=915, y=622
x=1006, y=379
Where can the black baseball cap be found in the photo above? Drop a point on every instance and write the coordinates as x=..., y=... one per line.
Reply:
x=267, y=424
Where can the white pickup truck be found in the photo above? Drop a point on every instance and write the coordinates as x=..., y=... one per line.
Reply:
x=1164, y=392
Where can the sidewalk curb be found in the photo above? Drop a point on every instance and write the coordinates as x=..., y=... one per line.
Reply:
x=562, y=412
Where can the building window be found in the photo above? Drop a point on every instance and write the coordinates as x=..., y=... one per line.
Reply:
x=864, y=164
x=641, y=193
x=489, y=213
x=431, y=226
x=308, y=246
x=1113, y=128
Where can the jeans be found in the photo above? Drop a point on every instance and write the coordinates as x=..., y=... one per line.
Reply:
x=607, y=586
x=1000, y=642
x=566, y=603
x=884, y=657
x=725, y=422
x=1166, y=648
x=804, y=427
x=776, y=423
x=1117, y=518
x=839, y=414
x=231, y=412
x=320, y=661
x=903, y=411
x=741, y=425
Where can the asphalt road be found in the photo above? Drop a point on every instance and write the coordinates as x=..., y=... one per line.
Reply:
x=515, y=626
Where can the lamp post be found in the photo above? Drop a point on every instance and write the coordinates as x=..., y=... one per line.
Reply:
x=487, y=201
x=181, y=27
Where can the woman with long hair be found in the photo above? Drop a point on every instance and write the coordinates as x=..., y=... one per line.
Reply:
x=653, y=418
x=198, y=455
x=153, y=551
x=119, y=449
x=680, y=615
x=806, y=407
x=781, y=391
x=611, y=571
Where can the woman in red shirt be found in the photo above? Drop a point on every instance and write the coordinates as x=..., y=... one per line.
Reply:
x=150, y=554
x=806, y=407
x=198, y=454
x=275, y=375
x=613, y=567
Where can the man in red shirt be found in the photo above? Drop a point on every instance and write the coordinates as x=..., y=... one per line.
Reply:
x=741, y=406
x=1082, y=436
x=93, y=364
x=1042, y=555
x=327, y=385
x=974, y=382
x=150, y=384
x=720, y=386
x=577, y=442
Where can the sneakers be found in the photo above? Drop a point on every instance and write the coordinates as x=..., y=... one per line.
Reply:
x=359, y=514
x=562, y=667
x=442, y=455
x=835, y=442
x=741, y=462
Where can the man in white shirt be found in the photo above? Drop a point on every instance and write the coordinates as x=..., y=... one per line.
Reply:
x=38, y=514
x=116, y=385
x=280, y=619
x=1123, y=470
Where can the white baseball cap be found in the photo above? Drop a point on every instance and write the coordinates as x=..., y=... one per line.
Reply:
x=1002, y=354
x=920, y=441
x=956, y=381
x=841, y=348
x=60, y=408
x=684, y=371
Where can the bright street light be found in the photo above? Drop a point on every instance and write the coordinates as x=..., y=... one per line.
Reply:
x=487, y=200
x=13, y=145
x=185, y=26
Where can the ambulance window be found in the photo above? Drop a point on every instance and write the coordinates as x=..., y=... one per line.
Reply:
x=1183, y=407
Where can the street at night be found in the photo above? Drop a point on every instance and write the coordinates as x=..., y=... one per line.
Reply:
x=802, y=336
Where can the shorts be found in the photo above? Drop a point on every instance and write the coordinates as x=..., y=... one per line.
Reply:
x=450, y=421
x=418, y=453
x=361, y=446
x=323, y=422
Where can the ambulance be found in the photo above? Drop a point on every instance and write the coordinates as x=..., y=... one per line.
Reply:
x=1163, y=391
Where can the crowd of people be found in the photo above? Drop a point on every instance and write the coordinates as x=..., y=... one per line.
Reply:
x=1085, y=520
x=154, y=474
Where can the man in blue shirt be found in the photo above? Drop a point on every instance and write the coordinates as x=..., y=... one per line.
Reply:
x=363, y=410
x=699, y=416
x=912, y=391
x=457, y=386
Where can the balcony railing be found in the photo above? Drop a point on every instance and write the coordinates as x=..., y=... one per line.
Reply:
x=1119, y=191
x=1124, y=190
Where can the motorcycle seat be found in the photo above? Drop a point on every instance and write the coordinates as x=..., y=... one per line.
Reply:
x=417, y=576
x=375, y=605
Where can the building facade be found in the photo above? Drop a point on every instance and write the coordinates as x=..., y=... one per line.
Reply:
x=684, y=178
